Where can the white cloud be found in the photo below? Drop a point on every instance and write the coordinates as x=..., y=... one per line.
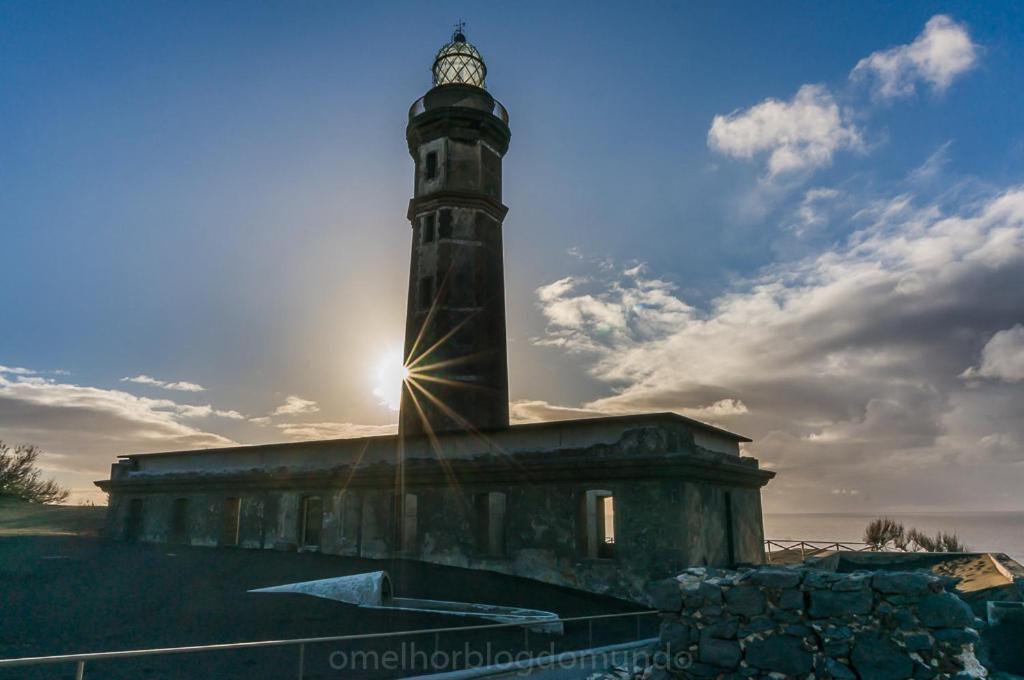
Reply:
x=942, y=52
x=722, y=407
x=83, y=429
x=845, y=362
x=179, y=386
x=295, y=405
x=16, y=370
x=1002, y=357
x=799, y=134
x=312, y=431
x=536, y=411
x=205, y=411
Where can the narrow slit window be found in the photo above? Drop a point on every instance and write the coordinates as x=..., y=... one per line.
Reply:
x=444, y=226
x=428, y=228
x=410, y=525
x=406, y=522
x=490, y=523
x=230, y=521
x=730, y=538
x=426, y=292
x=312, y=521
x=431, y=165
x=133, y=522
x=599, y=523
x=179, y=521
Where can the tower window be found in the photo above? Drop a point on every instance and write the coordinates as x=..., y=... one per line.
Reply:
x=599, y=523
x=179, y=521
x=133, y=522
x=428, y=228
x=229, y=521
x=432, y=165
x=312, y=521
x=406, y=514
x=465, y=289
x=426, y=292
x=445, y=224
x=490, y=523
x=730, y=538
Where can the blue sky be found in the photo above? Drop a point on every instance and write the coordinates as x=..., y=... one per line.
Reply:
x=213, y=195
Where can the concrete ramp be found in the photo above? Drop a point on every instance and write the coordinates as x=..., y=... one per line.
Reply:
x=373, y=590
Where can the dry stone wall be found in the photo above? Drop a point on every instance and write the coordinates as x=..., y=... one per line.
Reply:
x=775, y=622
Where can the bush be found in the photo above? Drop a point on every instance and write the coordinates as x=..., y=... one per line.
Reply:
x=883, y=531
x=20, y=477
x=941, y=542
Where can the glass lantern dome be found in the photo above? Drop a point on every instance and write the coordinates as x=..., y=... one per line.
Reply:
x=459, y=63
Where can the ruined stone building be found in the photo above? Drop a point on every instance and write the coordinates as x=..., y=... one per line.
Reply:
x=604, y=504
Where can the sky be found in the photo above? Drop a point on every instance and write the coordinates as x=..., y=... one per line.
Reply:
x=803, y=222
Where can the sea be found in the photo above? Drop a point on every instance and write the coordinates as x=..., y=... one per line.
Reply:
x=980, y=531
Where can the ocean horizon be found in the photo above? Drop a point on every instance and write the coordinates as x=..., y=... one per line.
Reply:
x=981, y=531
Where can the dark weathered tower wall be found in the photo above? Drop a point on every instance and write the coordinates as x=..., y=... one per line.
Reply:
x=455, y=347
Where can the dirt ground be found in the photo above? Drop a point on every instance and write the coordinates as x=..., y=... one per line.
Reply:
x=18, y=518
x=65, y=594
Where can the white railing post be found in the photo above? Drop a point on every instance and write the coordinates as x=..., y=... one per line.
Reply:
x=80, y=670
x=302, y=660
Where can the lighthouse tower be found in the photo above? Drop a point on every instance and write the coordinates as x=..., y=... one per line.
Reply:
x=455, y=350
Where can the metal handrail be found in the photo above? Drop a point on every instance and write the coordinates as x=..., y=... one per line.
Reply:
x=82, y=658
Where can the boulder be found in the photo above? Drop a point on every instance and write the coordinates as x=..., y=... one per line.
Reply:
x=721, y=653
x=826, y=603
x=665, y=595
x=744, y=601
x=878, y=657
x=780, y=653
x=791, y=599
x=903, y=582
x=775, y=577
x=944, y=610
x=835, y=669
x=855, y=581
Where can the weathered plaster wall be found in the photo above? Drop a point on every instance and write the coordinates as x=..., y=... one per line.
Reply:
x=661, y=526
x=676, y=505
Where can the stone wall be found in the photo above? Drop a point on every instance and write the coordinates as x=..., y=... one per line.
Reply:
x=775, y=622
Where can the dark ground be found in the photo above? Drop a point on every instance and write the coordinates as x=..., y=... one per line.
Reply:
x=66, y=594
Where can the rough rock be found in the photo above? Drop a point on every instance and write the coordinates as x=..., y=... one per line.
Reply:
x=878, y=657
x=744, y=601
x=825, y=603
x=781, y=653
x=944, y=610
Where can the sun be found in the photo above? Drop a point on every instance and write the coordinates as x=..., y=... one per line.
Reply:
x=389, y=374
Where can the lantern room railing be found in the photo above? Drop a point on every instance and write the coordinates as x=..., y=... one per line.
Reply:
x=498, y=110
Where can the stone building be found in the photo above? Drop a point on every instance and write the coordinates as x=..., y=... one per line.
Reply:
x=604, y=504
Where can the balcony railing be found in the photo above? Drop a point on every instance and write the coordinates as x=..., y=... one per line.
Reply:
x=498, y=110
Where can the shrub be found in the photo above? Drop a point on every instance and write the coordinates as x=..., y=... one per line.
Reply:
x=20, y=476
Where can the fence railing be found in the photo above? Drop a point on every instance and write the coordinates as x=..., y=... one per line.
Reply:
x=81, y=659
x=812, y=548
